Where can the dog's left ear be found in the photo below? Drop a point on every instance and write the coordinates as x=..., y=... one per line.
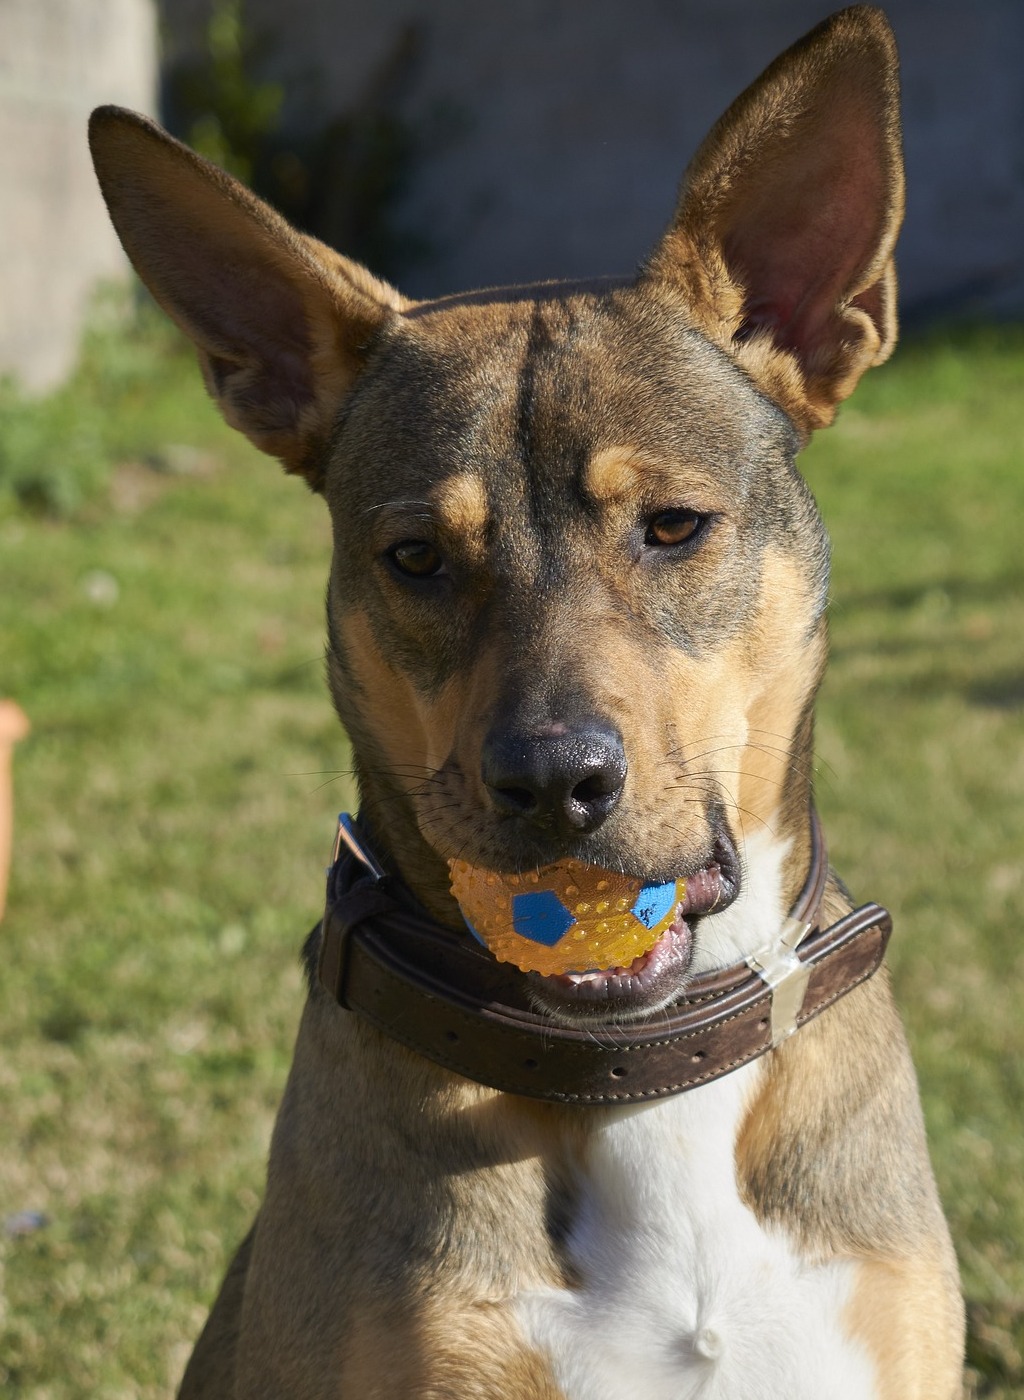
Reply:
x=282, y=323
x=783, y=237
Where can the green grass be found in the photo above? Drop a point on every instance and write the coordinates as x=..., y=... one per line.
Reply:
x=124, y=403
x=921, y=764
x=161, y=611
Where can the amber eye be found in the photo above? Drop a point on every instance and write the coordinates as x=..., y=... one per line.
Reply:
x=417, y=559
x=671, y=527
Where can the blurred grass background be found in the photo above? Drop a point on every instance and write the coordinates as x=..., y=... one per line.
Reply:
x=161, y=615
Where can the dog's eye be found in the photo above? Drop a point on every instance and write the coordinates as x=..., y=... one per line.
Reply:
x=417, y=559
x=670, y=527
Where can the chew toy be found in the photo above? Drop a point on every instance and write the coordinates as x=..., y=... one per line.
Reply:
x=568, y=917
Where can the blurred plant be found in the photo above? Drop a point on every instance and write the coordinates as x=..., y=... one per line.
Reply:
x=49, y=461
x=347, y=182
x=57, y=451
x=230, y=113
x=344, y=182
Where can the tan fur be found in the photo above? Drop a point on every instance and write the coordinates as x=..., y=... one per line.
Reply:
x=616, y=473
x=626, y=478
x=415, y=735
x=473, y=1353
x=408, y=1210
x=785, y=660
x=903, y=1313
x=462, y=502
x=410, y=740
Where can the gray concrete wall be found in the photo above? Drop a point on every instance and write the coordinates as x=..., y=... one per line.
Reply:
x=579, y=116
x=59, y=59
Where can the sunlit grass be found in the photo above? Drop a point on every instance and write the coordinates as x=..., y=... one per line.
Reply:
x=162, y=626
x=921, y=741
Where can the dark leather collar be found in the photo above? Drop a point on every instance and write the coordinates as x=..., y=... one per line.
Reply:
x=443, y=996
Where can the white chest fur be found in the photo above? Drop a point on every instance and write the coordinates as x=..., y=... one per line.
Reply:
x=682, y=1294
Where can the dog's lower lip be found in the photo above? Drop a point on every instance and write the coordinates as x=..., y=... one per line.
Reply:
x=646, y=976
x=675, y=943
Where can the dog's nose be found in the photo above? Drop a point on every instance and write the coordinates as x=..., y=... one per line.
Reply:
x=570, y=776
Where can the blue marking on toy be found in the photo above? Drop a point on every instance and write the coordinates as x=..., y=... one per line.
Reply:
x=654, y=902
x=541, y=916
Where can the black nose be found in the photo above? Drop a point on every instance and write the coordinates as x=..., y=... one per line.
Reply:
x=565, y=775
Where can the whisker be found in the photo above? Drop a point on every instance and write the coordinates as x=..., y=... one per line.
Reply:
x=427, y=511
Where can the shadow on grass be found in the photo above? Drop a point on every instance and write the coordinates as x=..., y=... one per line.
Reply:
x=993, y=590
x=998, y=692
x=1001, y=691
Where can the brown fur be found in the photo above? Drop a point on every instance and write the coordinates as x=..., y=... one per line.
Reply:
x=526, y=436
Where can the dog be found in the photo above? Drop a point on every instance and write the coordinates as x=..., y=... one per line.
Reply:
x=576, y=610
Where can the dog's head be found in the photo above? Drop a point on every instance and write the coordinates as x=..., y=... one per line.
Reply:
x=576, y=603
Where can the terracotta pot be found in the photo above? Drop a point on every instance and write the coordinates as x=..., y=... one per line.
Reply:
x=14, y=725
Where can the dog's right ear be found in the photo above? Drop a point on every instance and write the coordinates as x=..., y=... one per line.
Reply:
x=282, y=323
x=782, y=242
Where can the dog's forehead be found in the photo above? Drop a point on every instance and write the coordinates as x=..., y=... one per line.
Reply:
x=561, y=389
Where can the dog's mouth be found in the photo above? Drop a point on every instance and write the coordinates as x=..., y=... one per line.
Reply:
x=598, y=931
x=536, y=922
x=655, y=978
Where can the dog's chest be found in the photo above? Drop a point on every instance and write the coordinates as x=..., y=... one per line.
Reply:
x=680, y=1292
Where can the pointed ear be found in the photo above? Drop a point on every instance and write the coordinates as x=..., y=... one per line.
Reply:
x=783, y=237
x=282, y=323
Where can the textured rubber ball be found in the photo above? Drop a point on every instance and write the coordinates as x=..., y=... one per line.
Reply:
x=567, y=917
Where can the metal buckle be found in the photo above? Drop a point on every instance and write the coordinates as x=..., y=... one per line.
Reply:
x=334, y=942
x=347, y=836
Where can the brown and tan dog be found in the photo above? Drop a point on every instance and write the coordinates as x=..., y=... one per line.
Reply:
x=577, y=609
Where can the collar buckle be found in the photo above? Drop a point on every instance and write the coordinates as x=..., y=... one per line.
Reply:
x=780, y=966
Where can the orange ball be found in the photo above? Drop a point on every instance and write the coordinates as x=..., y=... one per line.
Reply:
x=568, y=917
